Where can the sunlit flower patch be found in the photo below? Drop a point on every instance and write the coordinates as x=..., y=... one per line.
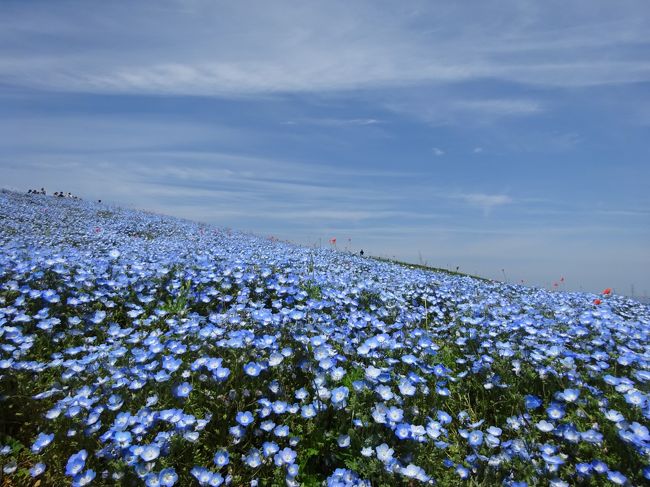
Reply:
x=137, y=349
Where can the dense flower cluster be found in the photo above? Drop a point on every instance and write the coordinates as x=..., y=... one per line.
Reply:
x=142, y=349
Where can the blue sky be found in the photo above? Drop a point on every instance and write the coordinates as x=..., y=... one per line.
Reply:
x=488, y=135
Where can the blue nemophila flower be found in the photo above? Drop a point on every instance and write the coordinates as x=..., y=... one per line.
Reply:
x=221, y=373
x=614, y=416
x=394, y=414
x=245, y=418
x=443, y=417
x=532, y=402
x=635, y=398
x=592, y=436
x=569, y=432
x=270, y=448
x=327, y=363
x=83, y=478
x=569, y=395
x=475, y=438
x=384, y=392
x=492, y=441
x=494, y=431
x=98, y=317
x=122, y=438
x=415, y=472
x=372, y=373
x=281, y=431
x=550, y=459
x=443, y=391
x=406, y=387
x=555, y=411
x=221, y=458
x=616, y=477
x=308, y=411
x=279, y=407
x=37, y=469
x=237, y=432
x=253, y=459
x=384, y=453
x=545, y=426
x=205, y=477
x=252, y=369
x=434, y=429
x=343, y=441
x=379, y=413
x=150, y=452
x=359, y=385
x=168, y=477
x=337, y=373
x=292, y=470
x=171, y=364
x=344, y=478
x=367, y=451
x=285, y=456
x=275, y=359
x=152, y=479
x=409, y=359
x=403, y=431
x=557, y=483
x=10, y=467
x=640, y=431
x=599, y=466
x=182, y=390
x=76, y=463
x=339, y=395
x=42, y=441
x=114, y=402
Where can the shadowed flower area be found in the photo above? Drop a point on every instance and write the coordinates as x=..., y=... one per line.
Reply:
x=139, y=349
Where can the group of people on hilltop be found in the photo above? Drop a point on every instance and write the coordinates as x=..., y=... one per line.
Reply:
x=61, y=194
x=58, y=194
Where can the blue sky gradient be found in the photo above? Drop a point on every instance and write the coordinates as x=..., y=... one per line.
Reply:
x=488, y=135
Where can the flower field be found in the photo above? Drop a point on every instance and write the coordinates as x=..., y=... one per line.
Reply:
x=138, y=349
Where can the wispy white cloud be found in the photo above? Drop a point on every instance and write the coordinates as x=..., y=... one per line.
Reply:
x=484, y=201
x=249, y=48
x=334, y=122
x=501, y=106
x=438, y=152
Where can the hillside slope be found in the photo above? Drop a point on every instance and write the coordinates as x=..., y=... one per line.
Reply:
x=144, y=349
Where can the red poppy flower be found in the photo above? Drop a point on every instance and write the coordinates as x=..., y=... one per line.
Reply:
x=597, y=301
x=608, y=291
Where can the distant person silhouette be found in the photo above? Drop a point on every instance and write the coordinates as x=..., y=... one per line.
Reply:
x=361, y=253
